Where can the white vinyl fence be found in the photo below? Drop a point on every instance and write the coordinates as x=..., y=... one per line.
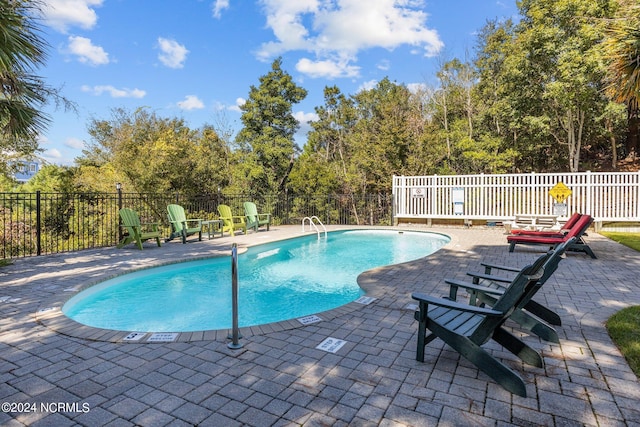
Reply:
x=606, y=196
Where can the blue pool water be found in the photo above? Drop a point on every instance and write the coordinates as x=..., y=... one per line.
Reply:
x=277, y=281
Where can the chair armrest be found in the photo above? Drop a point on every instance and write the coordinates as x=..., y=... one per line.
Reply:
x=491, y=277
x=265, y=215
x=473, y=287
x=441, y=302
x=488, y=267
x=199, y=221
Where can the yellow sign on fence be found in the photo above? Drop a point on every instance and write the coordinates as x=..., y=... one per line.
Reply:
x=560, y=192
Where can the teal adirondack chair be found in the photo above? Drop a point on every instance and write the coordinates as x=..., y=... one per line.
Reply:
x=138, y=232
x=230, y=222
x=255, y=219
x=466, y=328
x=181, y=226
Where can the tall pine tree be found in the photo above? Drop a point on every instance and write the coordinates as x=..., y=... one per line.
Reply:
x=267, y=138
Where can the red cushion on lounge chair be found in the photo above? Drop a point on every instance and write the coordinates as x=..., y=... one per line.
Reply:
x=577, y=230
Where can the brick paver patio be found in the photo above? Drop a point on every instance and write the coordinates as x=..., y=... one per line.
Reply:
x=55, y=372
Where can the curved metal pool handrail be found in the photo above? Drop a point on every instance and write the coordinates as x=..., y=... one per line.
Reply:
x=235, y=330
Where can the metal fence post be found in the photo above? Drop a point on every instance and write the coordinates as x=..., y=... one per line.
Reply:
x=119, y=190
x=38, y=225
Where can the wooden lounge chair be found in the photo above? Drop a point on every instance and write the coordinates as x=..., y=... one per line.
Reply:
x=231, y=222
x=578, y=230
x=254, y=219
x=466, y=328
x=486, y=288
x=531, y=222
x=138, y=232
x=181, y=226
x=571, y=222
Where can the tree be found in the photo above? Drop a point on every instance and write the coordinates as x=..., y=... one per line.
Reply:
x=621, y=48
x=550, y=78
x=380, y=141
x=267, y=138
x=493, y=47
x=622, y=52
x=22, y=92
x=151, y=154
x=322, y=166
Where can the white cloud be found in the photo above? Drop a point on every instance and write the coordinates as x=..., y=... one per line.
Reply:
x=336, y=31
x=305, y=127
x=191, y=102
x=62, y=14
x=304, y=118
x=87, y=52
x=52, y=154
x=172, y=54
x=114, y=92
x=239, y=103
x=417, y=87
x=219, y=6
x=368, y=85
x=384, y=65
x=327, y=68
x=75, y=143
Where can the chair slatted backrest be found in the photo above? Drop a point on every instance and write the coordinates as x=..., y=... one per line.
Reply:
x=225, y=212
x=177, y=217
x=549, y=267
x=130, y=219
x=512, y=298
x=251, y=211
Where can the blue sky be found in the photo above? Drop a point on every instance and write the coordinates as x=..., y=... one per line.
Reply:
x=196, y=59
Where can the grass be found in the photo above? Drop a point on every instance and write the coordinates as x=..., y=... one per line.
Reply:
x=631, y=240
x=624, y=326
x=624, y=330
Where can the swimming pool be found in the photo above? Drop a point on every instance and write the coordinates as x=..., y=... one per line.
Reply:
x=277, y=281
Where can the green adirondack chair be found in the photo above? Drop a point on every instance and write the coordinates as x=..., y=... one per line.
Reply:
x=230, y=222
x=533, y=316
x=255, y=219
x=466, y=328
x=138, y=232
x=181, y=226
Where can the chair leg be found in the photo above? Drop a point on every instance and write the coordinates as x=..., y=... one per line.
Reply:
x=423, y=339
x=512, y=246
x=536, y=326
x=528, y=321
x=518, y=347
x=125, y=241
x=491, y=366
x=582, y=247
x=543, y=312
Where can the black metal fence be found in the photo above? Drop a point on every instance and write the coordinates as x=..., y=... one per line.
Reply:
x=47, y=223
